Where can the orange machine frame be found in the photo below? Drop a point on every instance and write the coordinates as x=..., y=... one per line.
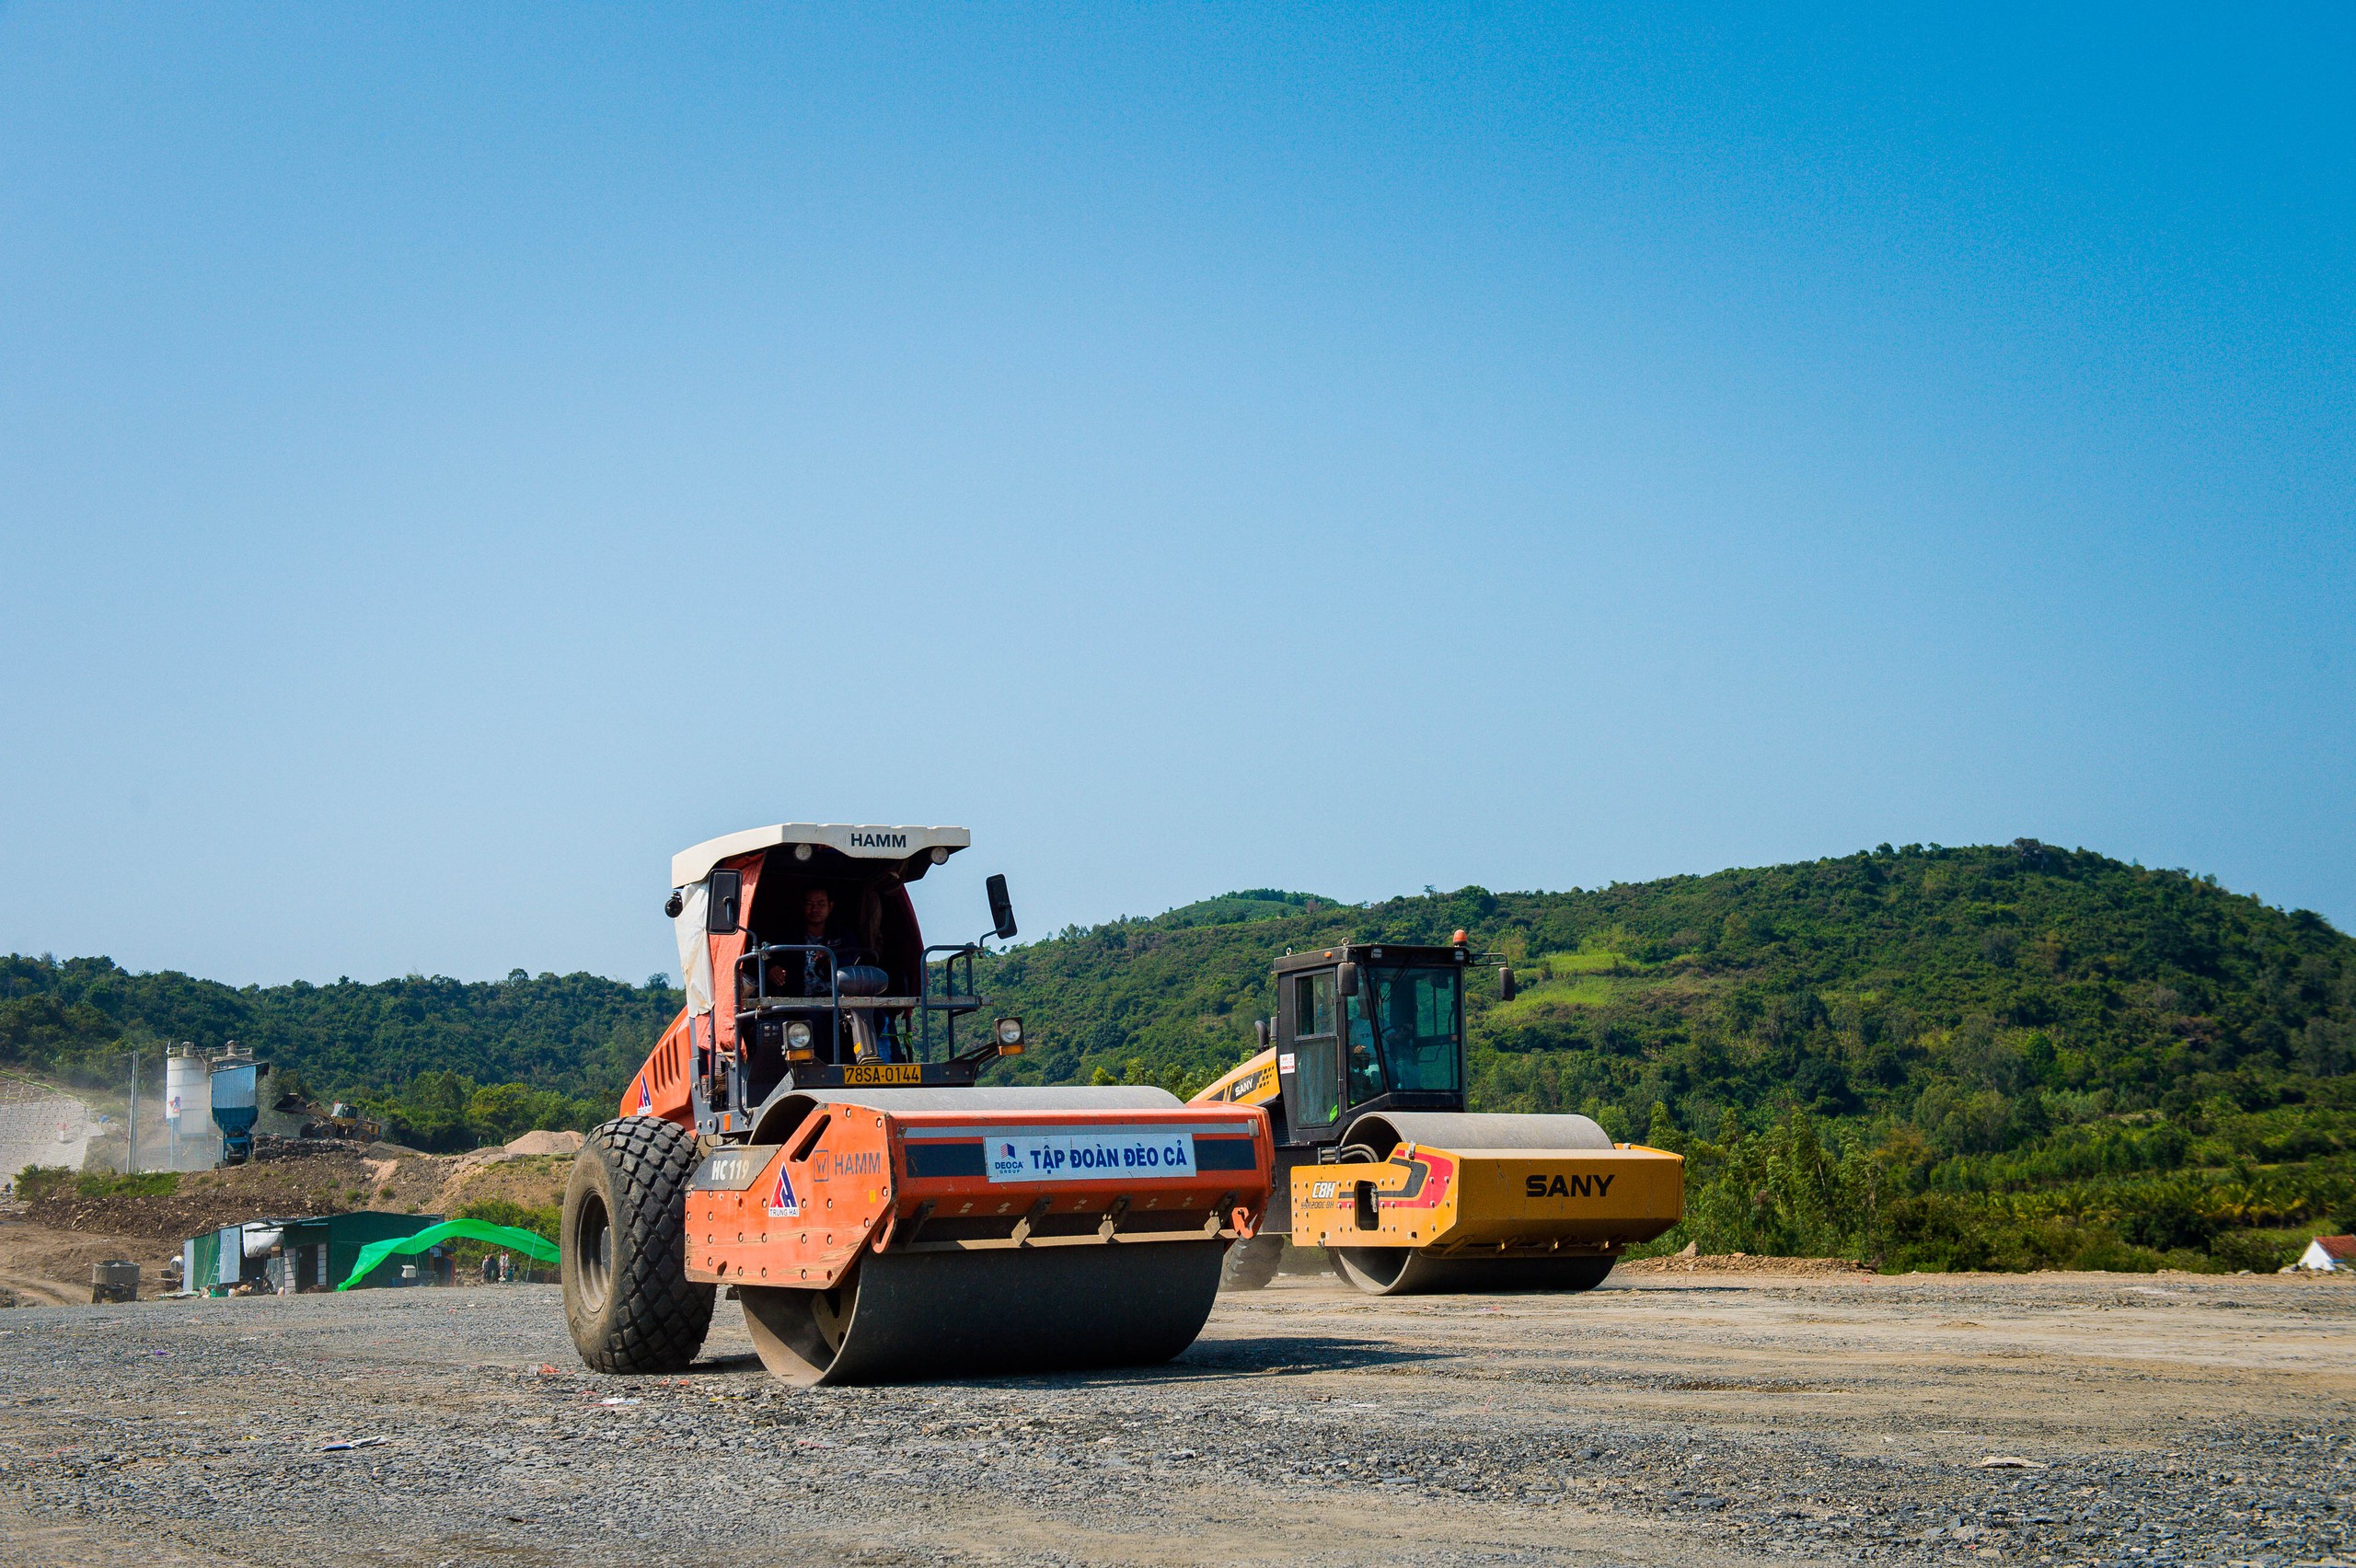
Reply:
x=851, y=1177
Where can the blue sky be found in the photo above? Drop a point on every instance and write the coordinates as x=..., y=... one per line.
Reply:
x=451, y=458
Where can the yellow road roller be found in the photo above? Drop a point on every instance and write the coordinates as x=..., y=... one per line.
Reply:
x=1362, y=1074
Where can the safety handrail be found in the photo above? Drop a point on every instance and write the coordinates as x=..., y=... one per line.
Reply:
x=951, y=1001
x=960, y=1003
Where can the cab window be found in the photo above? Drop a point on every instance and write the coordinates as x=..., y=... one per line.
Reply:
x=1365, y=1068
x=1312, y=1008
x=1316, y=1080
x=1418, y=1025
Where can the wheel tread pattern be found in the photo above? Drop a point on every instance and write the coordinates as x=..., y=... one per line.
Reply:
x=1251, y=1264
x=657, y=1318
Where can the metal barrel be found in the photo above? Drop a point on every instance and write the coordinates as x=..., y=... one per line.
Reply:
x=904, y=1316
x=1405, y=1271
x=116, y=1279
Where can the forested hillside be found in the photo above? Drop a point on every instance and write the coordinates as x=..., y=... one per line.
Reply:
x=1993, y=1056
x=2015, y=1056
x=447, y=1062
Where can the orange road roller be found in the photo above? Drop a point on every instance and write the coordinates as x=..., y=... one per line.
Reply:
x=808, y=1134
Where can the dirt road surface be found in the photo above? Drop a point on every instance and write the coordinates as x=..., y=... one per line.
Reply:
x=1706, y=1419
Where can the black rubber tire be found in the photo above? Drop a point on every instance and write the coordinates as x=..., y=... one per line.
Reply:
x=626, y=1295
x=1251, y=1264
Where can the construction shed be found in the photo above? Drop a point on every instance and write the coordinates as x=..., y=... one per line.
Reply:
x=292, y=1255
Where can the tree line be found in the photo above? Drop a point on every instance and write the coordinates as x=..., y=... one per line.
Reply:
x=444, y=1063
x=1996, y=1055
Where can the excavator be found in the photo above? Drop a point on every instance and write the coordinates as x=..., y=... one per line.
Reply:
x=335, y=1120
x=808, y=1136
x=1362, y=1076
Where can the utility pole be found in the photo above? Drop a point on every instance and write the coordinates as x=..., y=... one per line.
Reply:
x=130, y=1155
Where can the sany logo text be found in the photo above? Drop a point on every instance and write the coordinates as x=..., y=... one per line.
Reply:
x=1568, y=1187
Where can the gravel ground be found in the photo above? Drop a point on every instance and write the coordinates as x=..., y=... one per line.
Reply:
x=1708, y=1420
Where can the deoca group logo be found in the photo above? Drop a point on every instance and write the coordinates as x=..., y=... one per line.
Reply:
x=1118, y=1153
x=783, y=1205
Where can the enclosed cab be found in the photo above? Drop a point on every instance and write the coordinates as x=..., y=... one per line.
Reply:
x=805, y=969
x=1357, y=1031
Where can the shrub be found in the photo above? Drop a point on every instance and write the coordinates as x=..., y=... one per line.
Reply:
x=146, y=1184
x=2260, y=1251
x=541, y=1222
x=469, y=1254
x=44, y=1183
x=35, y=1182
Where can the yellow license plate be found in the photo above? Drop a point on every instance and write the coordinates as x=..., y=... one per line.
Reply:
x=870, y=1073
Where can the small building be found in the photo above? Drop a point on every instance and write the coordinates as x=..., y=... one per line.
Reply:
x=2329, y=1252
x=312, y=1252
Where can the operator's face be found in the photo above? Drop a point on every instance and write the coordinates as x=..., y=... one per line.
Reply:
x=817, y=906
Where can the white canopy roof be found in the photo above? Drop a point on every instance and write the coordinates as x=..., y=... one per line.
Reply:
x=859, y=840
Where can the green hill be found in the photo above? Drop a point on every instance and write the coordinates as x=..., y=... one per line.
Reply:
x=1236, y=908
x=2010, y=1056
x=2016, y=1055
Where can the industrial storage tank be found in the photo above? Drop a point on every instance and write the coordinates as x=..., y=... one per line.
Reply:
x=187, y=1090
x=188, y=1109
x=234, y=1108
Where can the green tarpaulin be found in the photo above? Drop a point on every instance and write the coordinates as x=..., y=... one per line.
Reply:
x=523, y=1242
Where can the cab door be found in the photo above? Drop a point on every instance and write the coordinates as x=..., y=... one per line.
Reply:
x=1309, y=1056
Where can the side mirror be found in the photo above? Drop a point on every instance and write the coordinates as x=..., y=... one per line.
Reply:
x=672, y=905
x=1345, y=980
x=1505, y=982
x=1001, y=908
x=725, y=904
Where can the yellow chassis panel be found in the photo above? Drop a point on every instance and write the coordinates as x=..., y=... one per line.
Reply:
x=1501, y=1201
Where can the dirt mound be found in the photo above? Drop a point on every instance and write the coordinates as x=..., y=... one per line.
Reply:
x=301, y=1178
x=545, y=1142
x=535, y=1181
x=334, y=1182
x=40, y=1267
x=1739, y=1263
